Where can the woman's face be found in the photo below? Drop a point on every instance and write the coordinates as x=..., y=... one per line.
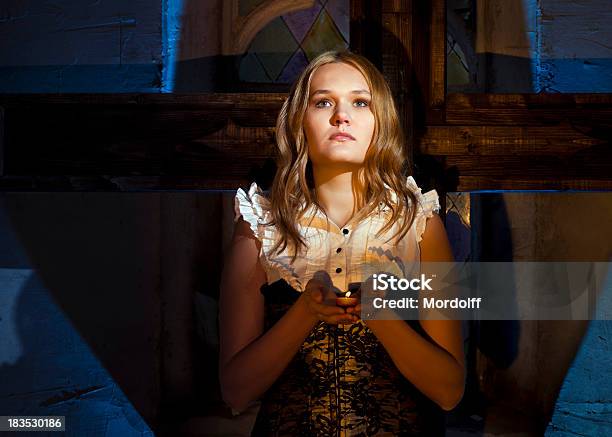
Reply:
x=338, y=122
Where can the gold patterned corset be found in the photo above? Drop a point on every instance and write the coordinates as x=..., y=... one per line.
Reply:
x=342, y=382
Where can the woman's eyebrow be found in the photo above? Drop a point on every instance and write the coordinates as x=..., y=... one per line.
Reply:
x=317, y=92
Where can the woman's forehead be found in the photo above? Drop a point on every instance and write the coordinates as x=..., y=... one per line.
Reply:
x=338, y=77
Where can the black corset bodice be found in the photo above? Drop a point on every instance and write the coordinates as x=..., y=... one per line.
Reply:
x=342, y=382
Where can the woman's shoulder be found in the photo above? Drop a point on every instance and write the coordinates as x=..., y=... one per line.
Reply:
x=427, y=204
x=252, y=205
x=428, y=201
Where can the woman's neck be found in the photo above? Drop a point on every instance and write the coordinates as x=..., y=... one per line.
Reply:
x=338, y=192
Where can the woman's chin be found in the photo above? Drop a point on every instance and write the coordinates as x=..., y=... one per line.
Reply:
x=344, y=158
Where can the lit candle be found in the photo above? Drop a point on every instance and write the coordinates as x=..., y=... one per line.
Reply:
x=346, y=300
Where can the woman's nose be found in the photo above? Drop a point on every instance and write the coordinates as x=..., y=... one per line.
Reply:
x=340, y=117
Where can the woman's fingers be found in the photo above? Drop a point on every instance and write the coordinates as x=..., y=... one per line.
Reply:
x=354, y=310
x=328, y=310
x=339, y=319
x=333, y=314
x=325, y=310
x=317, y=296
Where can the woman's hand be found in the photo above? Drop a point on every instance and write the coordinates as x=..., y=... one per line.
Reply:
x=321, y=303
x=365, y=306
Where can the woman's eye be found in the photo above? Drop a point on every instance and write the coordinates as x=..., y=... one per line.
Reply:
x=323, y=103
x=362, y=103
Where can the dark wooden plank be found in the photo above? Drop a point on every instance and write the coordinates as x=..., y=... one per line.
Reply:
x=185, y=101
x=138, y=135
x=438, y=54
x=239, y=107
x=484, y=183
x=382, y=31
x=533, y=167
x=527, y=172
x=393, y=6
x=420, y=62
x=397, y=35
x=398, y=50
x=429, y=60
x=557, y=140
x=167, y=142
x=366, y=30
x=120, y=183
x=528, y=109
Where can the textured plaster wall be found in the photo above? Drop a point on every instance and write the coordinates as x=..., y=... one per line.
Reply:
x=78, y=46
x=575, y=46
x=544, y=45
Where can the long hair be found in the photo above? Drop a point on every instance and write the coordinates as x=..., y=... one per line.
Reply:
x=292, y=192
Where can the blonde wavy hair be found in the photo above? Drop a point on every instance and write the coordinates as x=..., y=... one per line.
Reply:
x=292, y=192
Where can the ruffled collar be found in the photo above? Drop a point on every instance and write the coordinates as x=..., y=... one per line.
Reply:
x=262, y=203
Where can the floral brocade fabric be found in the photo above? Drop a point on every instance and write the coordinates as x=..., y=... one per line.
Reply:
x=342, y=382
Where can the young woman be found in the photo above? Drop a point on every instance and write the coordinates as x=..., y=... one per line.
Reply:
x=339, y=204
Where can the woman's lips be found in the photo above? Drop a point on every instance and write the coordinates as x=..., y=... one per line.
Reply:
x=342, y=137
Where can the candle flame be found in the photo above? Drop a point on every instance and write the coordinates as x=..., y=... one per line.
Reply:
x=348, y=293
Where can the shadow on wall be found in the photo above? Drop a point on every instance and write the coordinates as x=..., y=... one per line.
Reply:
x=47, y=369
x=84, y=320
x=97, y=320
x=523, y=365
x=489, y=48
x=505, y=41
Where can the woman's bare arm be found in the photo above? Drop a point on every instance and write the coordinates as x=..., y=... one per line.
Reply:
x=251, y=360
x=437, y=371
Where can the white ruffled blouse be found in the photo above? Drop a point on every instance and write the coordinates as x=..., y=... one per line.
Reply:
x=349, y=254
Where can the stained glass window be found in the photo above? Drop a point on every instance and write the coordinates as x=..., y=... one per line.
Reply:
x=281, y=50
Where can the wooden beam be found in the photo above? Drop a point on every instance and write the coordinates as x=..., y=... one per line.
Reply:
x=115, y=142
x=396, y=25
x=485, y=183
x=536, y=168
x=220, y=141
x=528, y=109
x=365, y=30
x=562, y=139
x=524, y=141
x=429, y=60
x=438, y=55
